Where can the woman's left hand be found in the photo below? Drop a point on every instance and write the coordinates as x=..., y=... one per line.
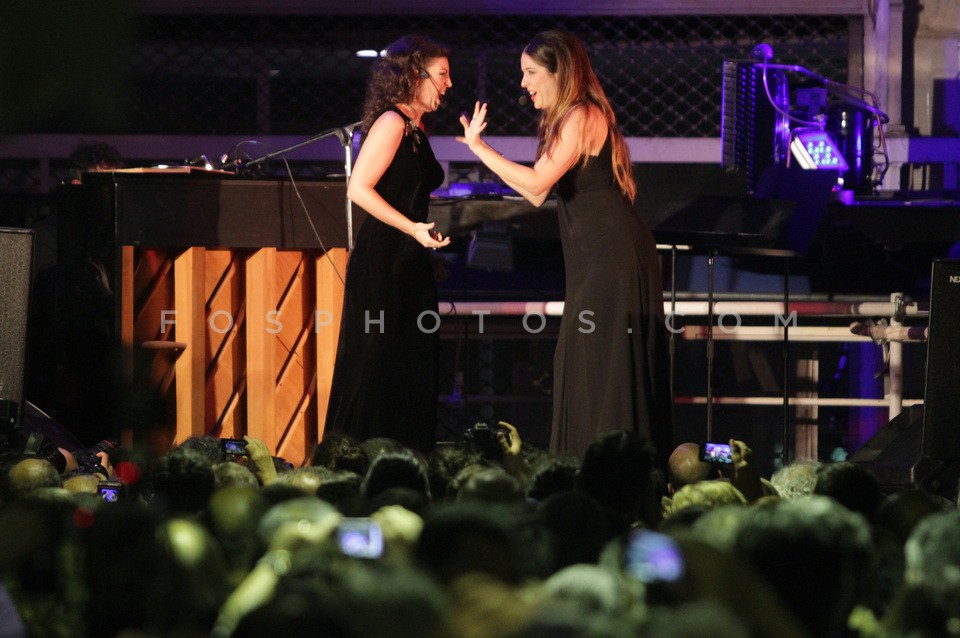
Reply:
x=428, y=237
x=473, y=127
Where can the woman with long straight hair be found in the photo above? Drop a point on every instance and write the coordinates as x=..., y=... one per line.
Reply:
x=611, y=365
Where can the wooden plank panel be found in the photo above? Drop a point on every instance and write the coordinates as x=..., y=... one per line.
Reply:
x=331, y=268
x=190, y=307
x=225, y=366
x=294, y=355
x=260, y=344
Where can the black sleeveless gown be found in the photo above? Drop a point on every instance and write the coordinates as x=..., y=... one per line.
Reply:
x=611, y=368
x=385, y=376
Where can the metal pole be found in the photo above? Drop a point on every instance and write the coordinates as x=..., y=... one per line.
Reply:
x=347, y=168
x=896, y=360
x=710, y=265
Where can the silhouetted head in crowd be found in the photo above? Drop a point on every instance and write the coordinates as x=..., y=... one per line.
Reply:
x=306, y=479
x=921, y=611
x=615, y=472
x=553, y=474
x=932, y=550
x=402, y=468
x=404, y=603
x=330, y=595
x=703, y=618
x=706, y=493
x=82, y=483
x=683, y=519
x=796, y=479
x=459, y=538
x=182, y=482
x=461, y=477
x=39, y=565
x=229, y=473
x=279, y=492
x=900, y=512
x=444, y=462
x=684, y=467
x=929, y=604
x=29, y=475
x=51, y=495
x=307, y=509
x=589, y=589
x=232, y=516
x=851, y=485
x=816, y=555
x=206, y=446
x=378, y=445
x=193, y=579
x=342, y=490
x=297, y=615
x=492, y=485
x=412, y=500
x=577, y=526
x=340, y=452
x=717, y=526
x=893, y=522
x=122, y=569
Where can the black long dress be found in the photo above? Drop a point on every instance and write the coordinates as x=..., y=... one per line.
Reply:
x=611, y=365
x=385, y=376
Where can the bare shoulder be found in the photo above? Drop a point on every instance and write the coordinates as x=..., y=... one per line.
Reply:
x=389, y=124
x=594, y=128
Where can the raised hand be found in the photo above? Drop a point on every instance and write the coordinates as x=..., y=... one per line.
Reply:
x=474, y=126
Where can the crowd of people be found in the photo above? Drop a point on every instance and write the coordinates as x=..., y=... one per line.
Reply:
x=384, y=533
x=373, y=538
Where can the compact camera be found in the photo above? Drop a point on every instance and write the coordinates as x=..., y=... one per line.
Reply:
x=651, y=557
x=717, y=453
x=233, y=447
x=483, y=440
x=360, y=538
x=111, y=491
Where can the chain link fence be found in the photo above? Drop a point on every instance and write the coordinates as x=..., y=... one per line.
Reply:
x=297, y=75
x=217, y=74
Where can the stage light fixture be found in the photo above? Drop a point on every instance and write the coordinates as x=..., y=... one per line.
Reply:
x=814, y=149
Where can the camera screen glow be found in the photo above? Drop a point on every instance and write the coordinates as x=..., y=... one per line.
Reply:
x=363, y=540
x=718, y=453
x=651, y=557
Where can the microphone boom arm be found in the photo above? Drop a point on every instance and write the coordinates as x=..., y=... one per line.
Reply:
x=343, y=133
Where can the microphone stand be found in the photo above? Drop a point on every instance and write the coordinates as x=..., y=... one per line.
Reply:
x=345, y=135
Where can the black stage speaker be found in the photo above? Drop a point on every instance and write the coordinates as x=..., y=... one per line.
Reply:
x=941, y=393
x=921, y=447
x=16, y=267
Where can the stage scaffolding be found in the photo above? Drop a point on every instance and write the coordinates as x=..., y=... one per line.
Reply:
x=752, y=318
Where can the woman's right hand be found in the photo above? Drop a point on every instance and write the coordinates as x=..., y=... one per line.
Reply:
x=473, y=127
x=427, y=237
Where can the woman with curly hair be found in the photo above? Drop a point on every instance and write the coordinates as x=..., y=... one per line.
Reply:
x=610, y=367
x=385, y=376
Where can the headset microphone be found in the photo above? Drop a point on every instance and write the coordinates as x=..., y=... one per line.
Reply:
x=426, y=76
x=524, y=99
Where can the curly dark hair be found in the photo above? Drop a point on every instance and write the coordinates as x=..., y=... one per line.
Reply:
x=394, y=77
x=93, y=156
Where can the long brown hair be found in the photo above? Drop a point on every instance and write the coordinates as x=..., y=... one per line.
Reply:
x=563, y=53
x=395, y=76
